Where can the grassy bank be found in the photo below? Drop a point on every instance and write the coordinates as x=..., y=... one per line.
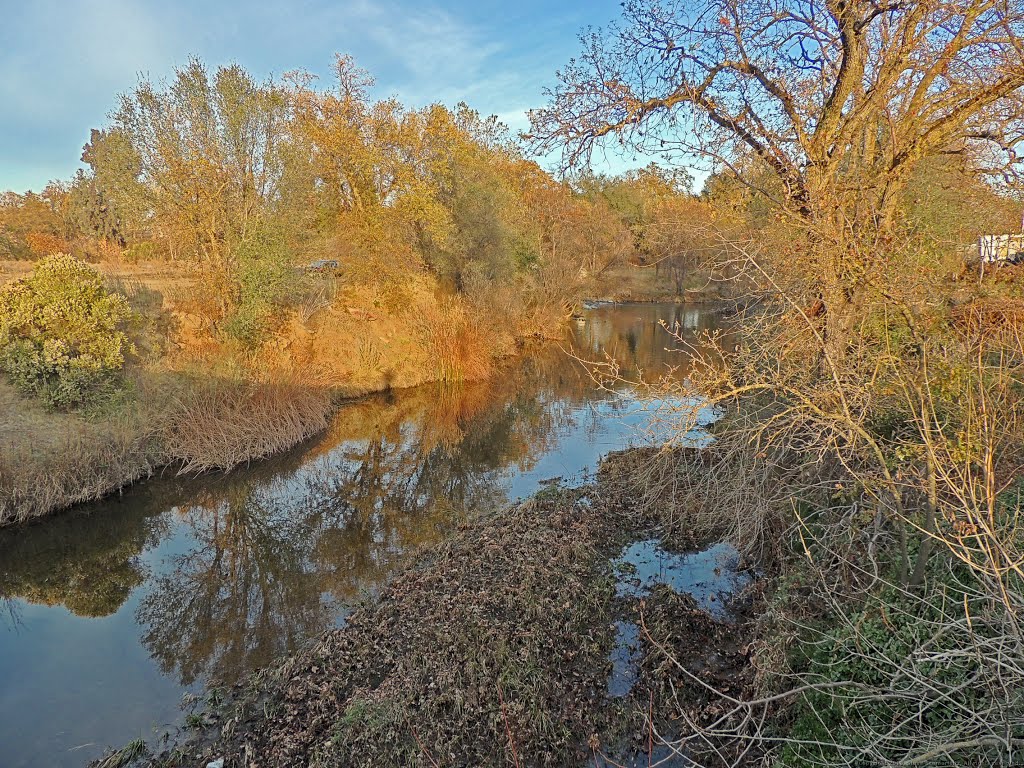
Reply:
x=50, y=461
x=494, y=648
x=191, y=399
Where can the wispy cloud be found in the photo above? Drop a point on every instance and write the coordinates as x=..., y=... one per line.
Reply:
x=428, y=43
x=427, y=54
x=63, y=62
x=418, y=51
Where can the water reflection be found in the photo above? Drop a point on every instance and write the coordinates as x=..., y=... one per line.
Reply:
x=241, y=594
x=269, y=564
x=635, y=336
x=181, y=581
x=89, y=566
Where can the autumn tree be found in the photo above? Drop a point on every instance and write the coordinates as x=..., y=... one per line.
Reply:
x=680, y=239
x=34, y=225
x=369, y=178
x=634, y=195
x=110, y=201
x=445, y=191
x=247, y=180
x=839, y=101
x=570, y=241
x=193, y=166
x=471, y=161
x=199, y=157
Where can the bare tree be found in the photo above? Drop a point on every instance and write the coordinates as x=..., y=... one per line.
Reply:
x=838, y=100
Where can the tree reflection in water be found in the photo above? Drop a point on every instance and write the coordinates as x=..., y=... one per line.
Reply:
x=272, y=562
x=240, y=595
x=250, y=565
x=87, y=563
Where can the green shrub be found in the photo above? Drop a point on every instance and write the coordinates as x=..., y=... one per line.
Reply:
x=266, y=283
x=910, y=672
x=147, y=250
x=61, y=332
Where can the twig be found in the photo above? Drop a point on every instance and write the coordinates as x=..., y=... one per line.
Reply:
x=508, y=728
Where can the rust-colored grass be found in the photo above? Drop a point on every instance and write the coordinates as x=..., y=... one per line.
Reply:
x=989, y=316
x=460, y=349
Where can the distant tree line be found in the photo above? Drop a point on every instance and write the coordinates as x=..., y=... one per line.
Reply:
x=248, y=179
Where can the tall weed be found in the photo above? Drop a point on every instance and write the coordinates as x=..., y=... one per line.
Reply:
x=460, y=349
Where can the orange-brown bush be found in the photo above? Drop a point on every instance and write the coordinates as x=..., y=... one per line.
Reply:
x=44, y=243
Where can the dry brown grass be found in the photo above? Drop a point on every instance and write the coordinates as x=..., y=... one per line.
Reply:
x=221, y=423
x=49, y=461
x=990, y=316
x=169, y=278
x=459, y=347
x=725, y=492
x=14, y=270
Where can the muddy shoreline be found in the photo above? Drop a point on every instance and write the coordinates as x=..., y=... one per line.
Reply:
x=529, y=638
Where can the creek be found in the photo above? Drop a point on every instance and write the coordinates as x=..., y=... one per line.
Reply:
x=111, y=613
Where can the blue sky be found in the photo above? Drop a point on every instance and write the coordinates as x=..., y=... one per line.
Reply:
x=63, y=62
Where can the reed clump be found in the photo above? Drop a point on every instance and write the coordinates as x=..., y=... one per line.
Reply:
x=220, y=423
x=460, y=349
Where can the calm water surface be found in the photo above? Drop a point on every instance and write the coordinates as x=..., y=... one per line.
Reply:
x=110, y=614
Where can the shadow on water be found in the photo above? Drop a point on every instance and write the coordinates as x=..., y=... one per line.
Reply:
x=111, y=613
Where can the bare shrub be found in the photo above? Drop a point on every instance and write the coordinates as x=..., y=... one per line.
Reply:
x=883, y=484
x=897, y=677
x=874, y=432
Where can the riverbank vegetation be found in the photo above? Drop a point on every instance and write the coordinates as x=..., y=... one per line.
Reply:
x=871, y=455
x=253, y=249
x=868, y=464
